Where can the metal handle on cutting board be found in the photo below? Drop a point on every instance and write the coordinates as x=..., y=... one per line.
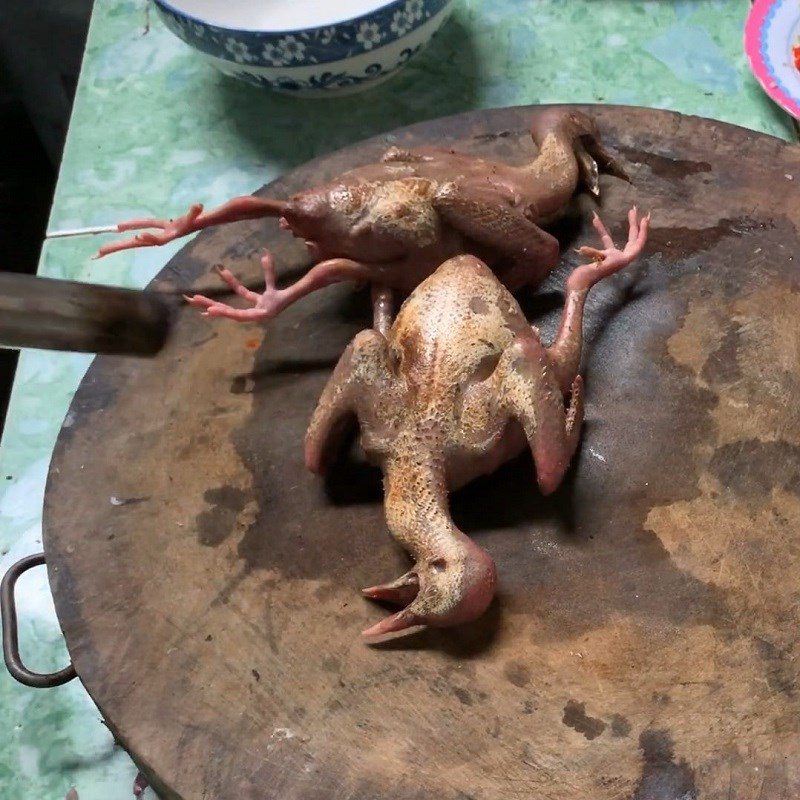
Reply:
x=8, y=614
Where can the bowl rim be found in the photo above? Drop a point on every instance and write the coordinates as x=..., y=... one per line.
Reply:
x=382, y=7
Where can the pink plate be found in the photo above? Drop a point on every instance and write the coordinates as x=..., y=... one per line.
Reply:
x=771, y=30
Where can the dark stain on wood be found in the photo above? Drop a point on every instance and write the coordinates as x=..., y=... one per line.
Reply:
x=751, y=469
x=664, y=166
x=216, y=524
x=620, y=725
x=517, y=673
x=663, y=778
x=575, y=717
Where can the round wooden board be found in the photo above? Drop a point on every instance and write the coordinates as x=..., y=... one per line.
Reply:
x=644, y=639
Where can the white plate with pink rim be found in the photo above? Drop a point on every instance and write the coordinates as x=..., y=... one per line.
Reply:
x=772, y=45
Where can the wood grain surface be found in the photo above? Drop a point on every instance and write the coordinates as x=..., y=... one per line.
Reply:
x=644, y=639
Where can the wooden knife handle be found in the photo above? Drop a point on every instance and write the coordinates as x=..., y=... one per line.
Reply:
x=54, y=314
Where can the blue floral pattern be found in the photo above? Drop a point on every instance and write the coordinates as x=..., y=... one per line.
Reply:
x=327, y=80
x=302, y=47
x=369, y=34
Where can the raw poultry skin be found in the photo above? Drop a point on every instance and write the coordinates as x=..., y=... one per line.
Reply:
x=459, y=384
x=391, y=224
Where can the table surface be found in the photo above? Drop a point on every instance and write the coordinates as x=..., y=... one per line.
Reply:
x=153, y=129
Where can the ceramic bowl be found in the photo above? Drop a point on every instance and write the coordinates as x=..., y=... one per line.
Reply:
x=307, y=47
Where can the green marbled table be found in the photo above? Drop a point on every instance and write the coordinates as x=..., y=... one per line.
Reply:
x=154, y=129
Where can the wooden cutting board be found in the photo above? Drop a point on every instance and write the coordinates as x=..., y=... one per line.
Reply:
x=644, y=640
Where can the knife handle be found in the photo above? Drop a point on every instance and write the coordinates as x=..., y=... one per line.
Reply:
x=52, y=314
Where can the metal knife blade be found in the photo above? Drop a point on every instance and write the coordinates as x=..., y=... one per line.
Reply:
x=52, y=314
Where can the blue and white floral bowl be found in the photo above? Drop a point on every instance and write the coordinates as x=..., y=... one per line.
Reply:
x=341, y=45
